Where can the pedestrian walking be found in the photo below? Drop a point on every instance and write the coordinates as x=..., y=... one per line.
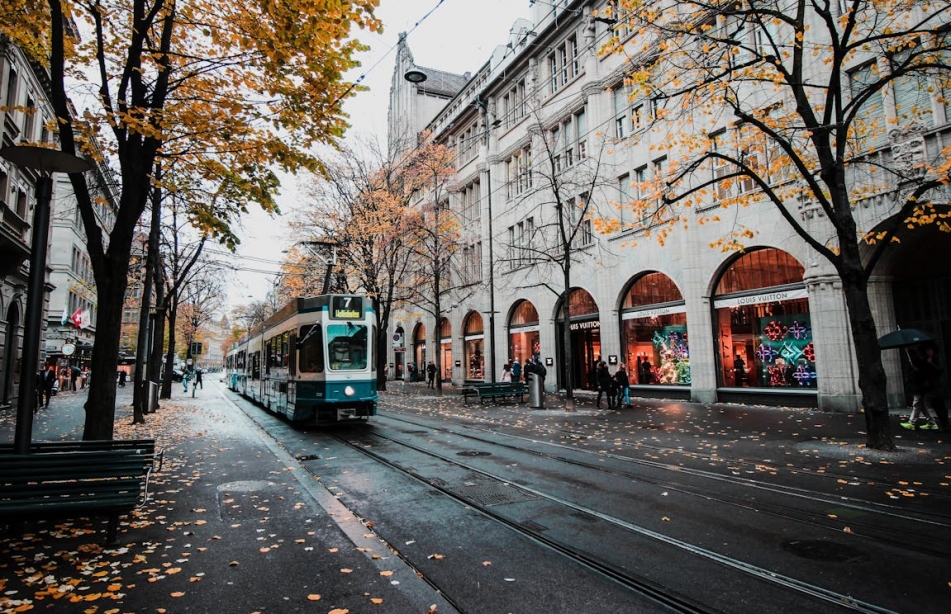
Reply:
x=506, y=372
x=122, y=376
x=925, y=376
x=49, y=382
x=198, y=382
x=431, y=375
x=516, y=370
x=604, y=385
x=73, y=376
x=623, y=387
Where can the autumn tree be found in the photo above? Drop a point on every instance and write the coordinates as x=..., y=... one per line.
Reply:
x=433, y=237
x=252, y=86
x=360, y=202
x=557, y=191
x=786, y=104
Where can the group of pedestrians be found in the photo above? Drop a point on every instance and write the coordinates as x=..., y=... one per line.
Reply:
x=616, y=387
x=512, y=371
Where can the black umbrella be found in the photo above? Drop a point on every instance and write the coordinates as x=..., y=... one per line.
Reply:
x=903, y=337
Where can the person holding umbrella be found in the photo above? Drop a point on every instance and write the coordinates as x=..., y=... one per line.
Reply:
x=926, y=372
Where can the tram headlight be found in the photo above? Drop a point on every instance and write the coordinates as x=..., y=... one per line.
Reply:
x=349, y=391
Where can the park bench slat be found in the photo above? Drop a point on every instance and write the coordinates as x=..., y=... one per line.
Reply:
x=64, y=479
x=494, y=391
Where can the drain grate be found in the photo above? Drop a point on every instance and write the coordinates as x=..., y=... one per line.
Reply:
x=491, y=493
x=307, y=457
x=821, y=550
x=473, y=453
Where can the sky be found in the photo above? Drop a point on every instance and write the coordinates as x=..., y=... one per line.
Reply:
x=451, y=35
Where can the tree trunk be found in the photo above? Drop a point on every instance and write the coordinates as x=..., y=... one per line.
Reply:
x=101, y=404
x=170, y=352
x=566, y=330
x=868, y=356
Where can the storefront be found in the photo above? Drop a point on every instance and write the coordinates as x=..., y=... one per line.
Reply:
x=474, y=347
x=417, y=369
x=524, y=339
x=764, y=329
x=445, y=348
x=654, y=336
x=584, y=322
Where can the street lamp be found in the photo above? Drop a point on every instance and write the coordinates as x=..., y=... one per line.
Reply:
x=47, y=162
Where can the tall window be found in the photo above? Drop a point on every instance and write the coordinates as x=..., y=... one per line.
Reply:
x=912, y=94
x=870, y=119
x=471, y=204
x=563, y=64
x=569, y=141
x=513, y=104
x=518, y=170
x=624, y=197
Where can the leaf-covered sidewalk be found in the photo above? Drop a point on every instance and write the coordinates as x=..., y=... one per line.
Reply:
x=227, y=528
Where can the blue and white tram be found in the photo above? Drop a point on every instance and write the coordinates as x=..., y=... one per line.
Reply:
x=313, y=361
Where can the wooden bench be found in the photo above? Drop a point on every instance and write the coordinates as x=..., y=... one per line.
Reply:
x=75, y=479
x=499, y=390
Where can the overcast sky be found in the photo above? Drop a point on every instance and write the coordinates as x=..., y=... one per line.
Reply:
x=456, y=36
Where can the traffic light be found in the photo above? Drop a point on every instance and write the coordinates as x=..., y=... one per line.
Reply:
x=196, y=348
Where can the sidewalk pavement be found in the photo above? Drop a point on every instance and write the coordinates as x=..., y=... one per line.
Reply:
x=234, y=524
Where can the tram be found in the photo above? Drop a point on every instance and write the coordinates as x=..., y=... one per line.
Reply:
x=314, y=361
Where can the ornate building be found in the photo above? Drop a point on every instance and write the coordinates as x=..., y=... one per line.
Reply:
x=765, y=325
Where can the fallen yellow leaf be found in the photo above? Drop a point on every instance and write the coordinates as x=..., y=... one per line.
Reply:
x=178, y=594
x=345, y=570
x=313, y=597
x=376, y=601
x=386, y=574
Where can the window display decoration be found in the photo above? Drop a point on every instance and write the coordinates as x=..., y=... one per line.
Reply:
x=674, y=355
x=786, y=352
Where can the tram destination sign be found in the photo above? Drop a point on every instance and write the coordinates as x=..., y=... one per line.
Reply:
x=346, y=307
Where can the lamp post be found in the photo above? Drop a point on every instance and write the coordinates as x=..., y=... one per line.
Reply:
x=47, y=162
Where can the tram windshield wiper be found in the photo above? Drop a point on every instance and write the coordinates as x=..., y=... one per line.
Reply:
x=313, y=329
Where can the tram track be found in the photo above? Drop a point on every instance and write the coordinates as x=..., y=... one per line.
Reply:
x=673, y=601
x=749, y=466
x=918, y=540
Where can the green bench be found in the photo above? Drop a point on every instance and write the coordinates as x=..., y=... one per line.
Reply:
x=75, y=479
x=496, y=391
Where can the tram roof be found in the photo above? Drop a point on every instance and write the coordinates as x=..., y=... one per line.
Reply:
x=304, y=305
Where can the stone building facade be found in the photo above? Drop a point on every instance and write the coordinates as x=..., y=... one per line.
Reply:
x=767, y=325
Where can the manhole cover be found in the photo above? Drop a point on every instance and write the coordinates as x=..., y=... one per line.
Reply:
x=820, y=550
x=473, y=453
x=246, y=486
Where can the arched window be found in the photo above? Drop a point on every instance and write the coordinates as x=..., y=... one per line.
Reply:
x=654, y=332
x=474, y=346
x=764, y=329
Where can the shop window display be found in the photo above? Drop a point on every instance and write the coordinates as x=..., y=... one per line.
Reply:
x=654, y=333
x=473, y=342
x=765, y=333
x=524, y=338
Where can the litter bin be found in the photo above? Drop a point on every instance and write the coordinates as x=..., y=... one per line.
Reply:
x=535, y=392
x=153, y=397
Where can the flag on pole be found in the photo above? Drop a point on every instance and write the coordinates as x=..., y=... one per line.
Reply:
x=85, y=320
x=77, y=318
x=65, y=319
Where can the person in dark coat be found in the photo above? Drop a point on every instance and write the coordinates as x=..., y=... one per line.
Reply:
x=604, y=385
x=198, y=379
x=49, y=380
x=431, y=375
x=623, y=387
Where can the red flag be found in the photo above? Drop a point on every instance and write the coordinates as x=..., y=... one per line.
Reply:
x=77, y=318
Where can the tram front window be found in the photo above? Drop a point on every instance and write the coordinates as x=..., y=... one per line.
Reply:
x=347, y=346
x=310, y=350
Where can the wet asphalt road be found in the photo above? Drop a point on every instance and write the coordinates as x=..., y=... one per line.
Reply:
x=509, y=509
